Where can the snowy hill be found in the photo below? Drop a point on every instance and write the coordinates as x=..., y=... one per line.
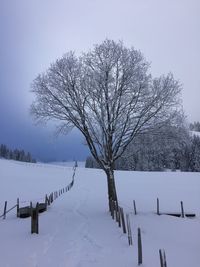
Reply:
x=78, y=231
x=68, y=163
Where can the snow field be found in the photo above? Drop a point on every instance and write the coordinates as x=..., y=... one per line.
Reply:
x=78, y=231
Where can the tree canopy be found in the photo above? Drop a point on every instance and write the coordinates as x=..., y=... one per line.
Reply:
x=109, y=95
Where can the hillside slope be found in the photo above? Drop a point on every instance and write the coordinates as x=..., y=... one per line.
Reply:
x=77, y=230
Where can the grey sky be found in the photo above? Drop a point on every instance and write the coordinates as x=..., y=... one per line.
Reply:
x=34, y=33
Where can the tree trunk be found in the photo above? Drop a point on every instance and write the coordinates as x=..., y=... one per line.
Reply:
x=112, y=193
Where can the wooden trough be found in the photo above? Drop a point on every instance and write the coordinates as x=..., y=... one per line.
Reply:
x=176, y=214
x=42, y=207
x=181, y=214
x=25, y=212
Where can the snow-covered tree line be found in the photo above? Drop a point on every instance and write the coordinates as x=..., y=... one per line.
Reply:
x=171, y=148
x=15, y=154
x=195, y=126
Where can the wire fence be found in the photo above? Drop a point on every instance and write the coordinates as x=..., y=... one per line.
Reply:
x=49, y=198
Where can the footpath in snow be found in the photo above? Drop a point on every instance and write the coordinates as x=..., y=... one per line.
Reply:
x=78, y=231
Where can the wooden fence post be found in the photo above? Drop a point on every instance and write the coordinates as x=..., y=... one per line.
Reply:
x=46, y=200
x=34, y=219
x=123, y=220
x=113, y=209
x=130, y=241
x=5, y=207
x=109, y=205
x=161, y=258
x=116, y=212
x=139, y=247
x=158, y=207
x=18, y=207
x=134, y=205
x=163, y=262
x=119, y=217
x=182, y=210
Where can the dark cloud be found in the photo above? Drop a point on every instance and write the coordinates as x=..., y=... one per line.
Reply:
x=34, y=33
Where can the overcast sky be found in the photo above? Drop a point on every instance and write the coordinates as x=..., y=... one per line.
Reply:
x=34, y=33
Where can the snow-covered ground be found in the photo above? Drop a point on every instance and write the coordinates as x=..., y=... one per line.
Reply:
x=77, y=230
x=68, y=163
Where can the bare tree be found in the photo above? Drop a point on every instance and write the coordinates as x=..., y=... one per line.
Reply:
x=109, y=96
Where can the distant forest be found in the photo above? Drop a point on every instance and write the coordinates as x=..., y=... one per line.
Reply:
x=195, y=126
x=170, y=148
x=15, y=154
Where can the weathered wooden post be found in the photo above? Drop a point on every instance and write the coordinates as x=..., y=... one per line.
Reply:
x=113, y=209
x=182, y=210
x=134, y=205
x=164, y=257
x=139, y=247
x=5, y=207
x=130, y=241
x=18, y=207
x=163, y=261
x=123, y=220
x=47, y=202
x=158, y=208
x=119, y=217
x=76, y=164
x=110, y=206
x=116, y=212
x=161, y=258
x=34, y=219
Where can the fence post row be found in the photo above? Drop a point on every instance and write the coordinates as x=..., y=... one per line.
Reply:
x=48, y=199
